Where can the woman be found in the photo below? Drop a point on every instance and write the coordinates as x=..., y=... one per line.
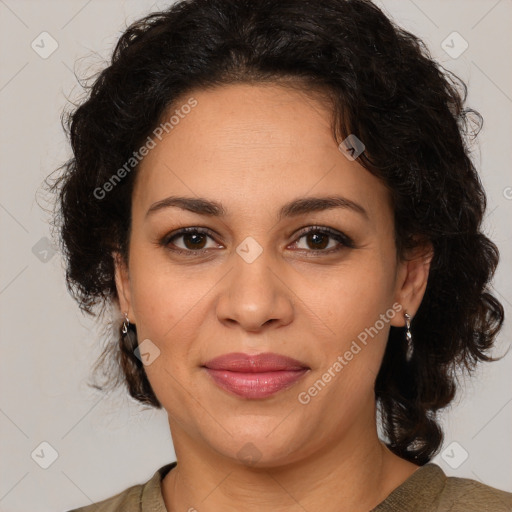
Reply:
x=278, y=198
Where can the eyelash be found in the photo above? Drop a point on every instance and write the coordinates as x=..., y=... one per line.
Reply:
x=343, y=239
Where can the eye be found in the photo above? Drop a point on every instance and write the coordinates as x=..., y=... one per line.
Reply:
x=317, y=238
x=193, y=240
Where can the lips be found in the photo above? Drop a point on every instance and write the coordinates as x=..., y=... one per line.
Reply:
x=267, y=362
x=254, y=376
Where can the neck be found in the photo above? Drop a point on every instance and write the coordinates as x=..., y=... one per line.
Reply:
x=355, y=474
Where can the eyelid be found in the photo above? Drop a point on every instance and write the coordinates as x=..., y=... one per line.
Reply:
x=166, y=239
x=333, y=233
x=343, y=242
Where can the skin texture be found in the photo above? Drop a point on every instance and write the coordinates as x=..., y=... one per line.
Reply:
x=254, y=148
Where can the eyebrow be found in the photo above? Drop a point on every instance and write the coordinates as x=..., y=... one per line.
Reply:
x=294, y=208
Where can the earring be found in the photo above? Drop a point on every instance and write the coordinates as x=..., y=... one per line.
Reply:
x=126, y=323
x=408, y=337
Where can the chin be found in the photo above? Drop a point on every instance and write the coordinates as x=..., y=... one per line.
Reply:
x=262, y=447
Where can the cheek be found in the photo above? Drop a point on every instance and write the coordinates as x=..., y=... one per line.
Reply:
x=170, y=306
x=352, y=297
x=162, y=296
x=356, y=308
x=169, y=313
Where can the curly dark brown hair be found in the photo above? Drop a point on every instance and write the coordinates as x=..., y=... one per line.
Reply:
x=384, y=87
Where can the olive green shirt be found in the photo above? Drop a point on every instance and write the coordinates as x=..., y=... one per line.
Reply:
x=428, y=489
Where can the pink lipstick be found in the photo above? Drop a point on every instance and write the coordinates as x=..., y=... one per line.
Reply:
x=255, y=376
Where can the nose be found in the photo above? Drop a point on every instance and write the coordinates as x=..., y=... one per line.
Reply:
x=254, y=296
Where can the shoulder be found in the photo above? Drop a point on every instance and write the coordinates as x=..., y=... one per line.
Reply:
x=467, y=495
x=127, y=500
x=144, y=496
x=430, y=490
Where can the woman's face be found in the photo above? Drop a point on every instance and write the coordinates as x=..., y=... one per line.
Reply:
x=253, y=281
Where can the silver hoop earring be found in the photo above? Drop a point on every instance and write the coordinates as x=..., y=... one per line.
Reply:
x=408, y=337
x=126, y=323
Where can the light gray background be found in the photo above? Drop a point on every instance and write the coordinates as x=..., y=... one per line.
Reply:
x=107, y=443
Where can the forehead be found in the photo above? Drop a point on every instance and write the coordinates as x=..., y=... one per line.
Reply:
x=253, y=147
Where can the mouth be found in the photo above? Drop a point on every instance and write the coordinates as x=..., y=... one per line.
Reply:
x=255, y=376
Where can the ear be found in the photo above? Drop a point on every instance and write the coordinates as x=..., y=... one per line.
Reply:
x=122, y=278
x=411, y=281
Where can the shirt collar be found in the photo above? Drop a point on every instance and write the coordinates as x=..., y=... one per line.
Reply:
x=416, y=493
